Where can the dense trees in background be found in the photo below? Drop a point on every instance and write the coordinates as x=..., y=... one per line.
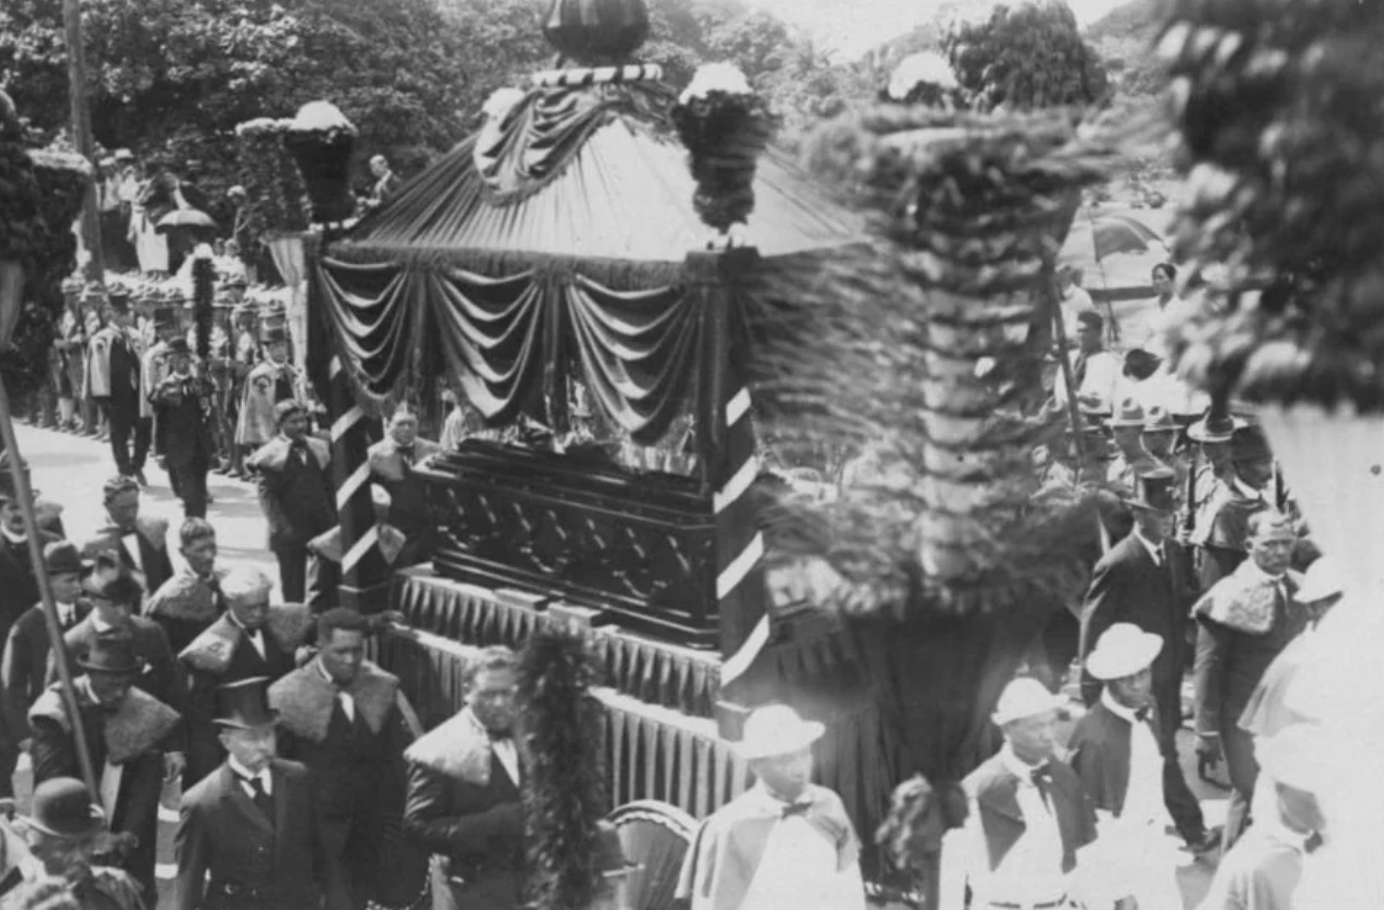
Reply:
x=174, y=77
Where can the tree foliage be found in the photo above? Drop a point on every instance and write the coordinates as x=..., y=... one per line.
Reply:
x=1026, y=57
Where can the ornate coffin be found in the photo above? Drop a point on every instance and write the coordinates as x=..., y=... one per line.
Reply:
x=640, y=547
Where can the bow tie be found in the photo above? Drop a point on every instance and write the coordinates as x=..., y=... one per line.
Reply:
x=501, y=737
x=1142, y=714
x=1040, y=775
x=798, y=808
x=1313, y=843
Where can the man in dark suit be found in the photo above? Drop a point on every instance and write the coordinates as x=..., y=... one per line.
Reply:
x=193, y=598
x=463, y=792
x=296, y=494
x=185, y=405
x=140, y=543
x=392, y=461
x=248, y=835
x=25, y=667
x=18, y=584
x=1246, y=620
x=1144, y=581
x=343, y=717
x=251, y=639
x=115, y=595
x=127, y=734
x=1022, y=796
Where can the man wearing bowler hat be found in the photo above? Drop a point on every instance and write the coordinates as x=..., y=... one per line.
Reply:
x=1116, y=752
x=785, y=842
x=25, y=666
x=127, y=735
x=65, y=832
x=1145, y=580
x=248, y=837
x=1028, y=815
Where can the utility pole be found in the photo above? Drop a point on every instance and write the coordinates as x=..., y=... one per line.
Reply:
x=81, y=135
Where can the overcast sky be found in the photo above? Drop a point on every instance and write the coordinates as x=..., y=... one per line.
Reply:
x=854, y=26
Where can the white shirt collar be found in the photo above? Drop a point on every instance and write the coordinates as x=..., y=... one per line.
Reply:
x=100, y=624
x=245, y=773
x=1119, y=710
x=1155, y=550
x=16, y=539
x=1255, y=571
x=1016, y=765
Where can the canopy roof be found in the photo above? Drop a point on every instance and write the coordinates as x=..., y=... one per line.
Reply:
x=593, y=174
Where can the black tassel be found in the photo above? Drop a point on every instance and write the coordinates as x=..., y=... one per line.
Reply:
x=203, y=290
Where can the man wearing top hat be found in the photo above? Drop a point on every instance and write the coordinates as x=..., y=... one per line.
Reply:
x=271, y=382
x=1263, y=869
x=139, y=542
x=185, y=400
x=785, y=842
x=251, y=639
x=1245, y=621
x=293, y=475
x=65, y=833
x=1029, y=815
x=248, y=836
x=114, y=379
x=464, y=800
x=1145, y=580
x=127, y=732
x=25, y=666
x=1118, y=754
x=343, y=717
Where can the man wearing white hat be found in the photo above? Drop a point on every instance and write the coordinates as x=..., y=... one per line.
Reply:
x=785, y=844
x=1262, y=870
x=1028, y=815
x=1117, y=754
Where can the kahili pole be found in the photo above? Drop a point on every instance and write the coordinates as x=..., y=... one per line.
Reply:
x=81, y=136
x=45, y=588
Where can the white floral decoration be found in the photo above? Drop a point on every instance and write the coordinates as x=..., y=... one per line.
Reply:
x=321, y=116
x=501, y=102
x=716, y=77
x=925, y=67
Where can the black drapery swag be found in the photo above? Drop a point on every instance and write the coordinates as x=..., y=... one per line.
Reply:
x=646, y=356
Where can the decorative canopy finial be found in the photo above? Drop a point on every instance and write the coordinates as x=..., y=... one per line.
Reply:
x=592, y=32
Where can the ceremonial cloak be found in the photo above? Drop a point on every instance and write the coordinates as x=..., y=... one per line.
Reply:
x=185, y=605
x=738, y=860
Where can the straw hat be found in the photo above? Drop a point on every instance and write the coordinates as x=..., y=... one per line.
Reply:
x=1122, y=651
x=1022, y=698
x=1128, y=414
x=1321, y=581
x=777, y=730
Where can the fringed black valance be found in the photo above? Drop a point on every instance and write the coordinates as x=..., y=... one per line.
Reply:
x=644, y=356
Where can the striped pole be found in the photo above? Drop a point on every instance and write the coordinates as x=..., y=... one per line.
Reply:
x=363, y=567
x=730, y=464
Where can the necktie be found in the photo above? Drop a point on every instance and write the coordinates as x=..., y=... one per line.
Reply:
x=1142, y=714
x=1313, y=842
x=406, y=453
x=214, y=584
x=1079, y=370
x=299, y=450
x=792, y=809
x=263, y=801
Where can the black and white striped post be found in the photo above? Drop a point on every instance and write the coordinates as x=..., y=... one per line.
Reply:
x=364, y=571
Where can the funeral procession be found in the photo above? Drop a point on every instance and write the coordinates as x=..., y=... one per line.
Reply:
x=691, y=454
